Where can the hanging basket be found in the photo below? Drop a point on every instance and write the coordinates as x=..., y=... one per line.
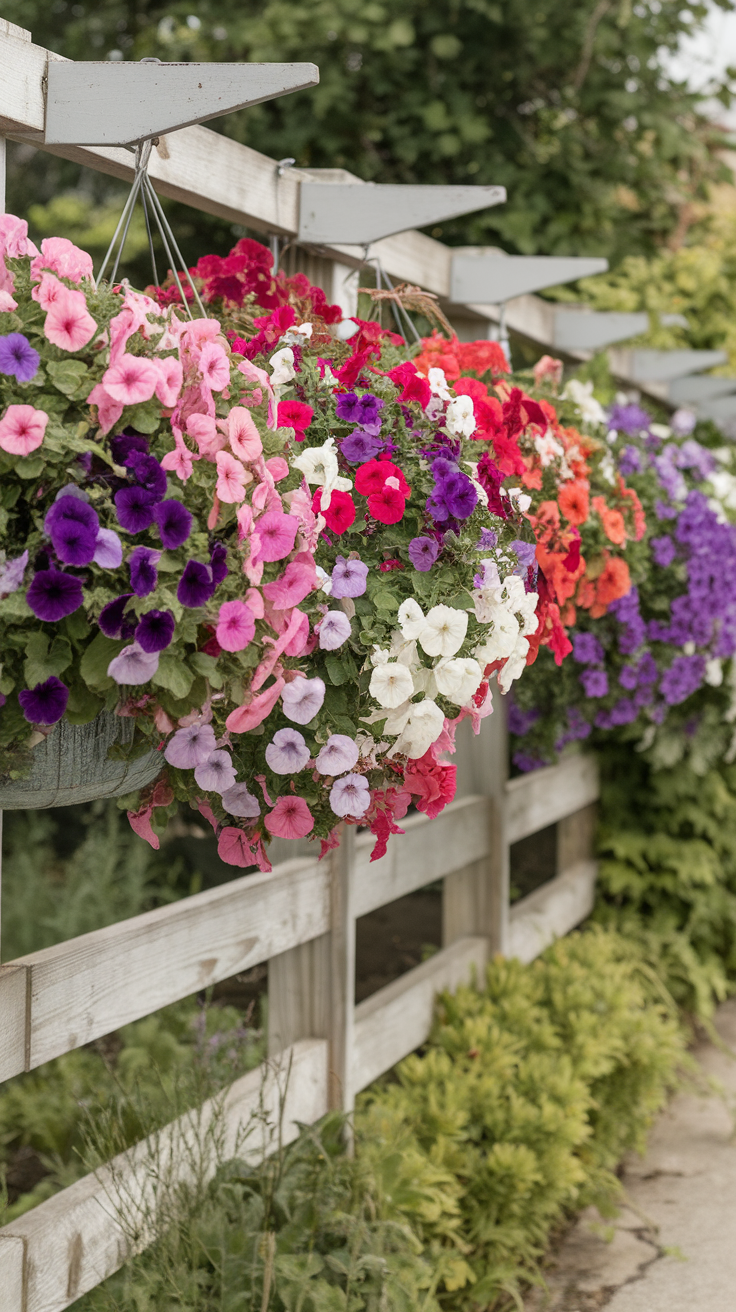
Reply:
x=71, y=765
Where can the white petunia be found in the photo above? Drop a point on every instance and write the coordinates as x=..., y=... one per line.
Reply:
x=460, y=417
x=391, y=684
x=444, y=631
x=581, y=394
x=438, y=384
x=515, y=665
x=319, y=465
x=411, y=619
x=282, y=364
x=714, y=672
x=425, y=724
x=547, y=447
x=458, y=678
x=502, y=638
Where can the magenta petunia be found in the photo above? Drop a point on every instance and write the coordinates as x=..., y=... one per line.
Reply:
x=174, y=523
x=46, y=703
x=190, y=746
x=133, y=665
x=350, y=795
x=277, y=533
x=287, y=753
x=155, y=630
x=302, y=699
x=54, y=594
x=236, y=626
x=143, y=571
x=216, y=774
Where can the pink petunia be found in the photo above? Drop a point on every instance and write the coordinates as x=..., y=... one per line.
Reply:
x=206, y=434
x=297, y=581
x=214, y=366
x=277, y=533
x=7, y=304
x=61, y=256
x=108, y=411
x=170, y=377
x=22, y=429
x=277, y=467
x=131, y=380
x=236, y=626
x=254, y=713
x=231, y=478
x=68, y=323
x=290, y=818
x=48, y=291
x=180, y=460
x=245, y=439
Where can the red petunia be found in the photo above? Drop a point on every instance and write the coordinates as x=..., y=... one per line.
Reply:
x=340, y=513
x=415, y=387
x=295, y=414
x=387, y=505
x=372, y=476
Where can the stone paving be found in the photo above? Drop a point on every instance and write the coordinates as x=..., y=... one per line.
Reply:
x=673, y=1247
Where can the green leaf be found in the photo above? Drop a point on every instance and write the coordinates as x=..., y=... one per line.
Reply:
x=41, y=663
x=15, y=607
x=97, y=657
x=174, y=675
x=385, y=600
x=146, y=417
x=29, y=466
x=336, y=669
x=69, y=376
x=207, y=667
x=82, y=706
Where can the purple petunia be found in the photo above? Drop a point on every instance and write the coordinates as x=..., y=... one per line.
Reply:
x=629, y=462
x=520, y=722
x=143, y=572
x=73, y=526
x=683, y=678
x=54, y=594
x=112, y=618
x=423, y=552
x=46, y=703
x=73, y=506
x=587, y=650
x=360, y=447
x=526, y=552
x=349, y=578
x=594, y=682
x=663, y=551
x=217, y=773
x=174, y=523
x=363, y=410
x=487, y=541
x=155, y=630
x=287, y=753
x=629, y=419
x=190, y=746
x=18, y=357
x=147, y=472
x=134, y=506
x=196, y=585
x=11, y=574
x=218, y=557
x=125, y=444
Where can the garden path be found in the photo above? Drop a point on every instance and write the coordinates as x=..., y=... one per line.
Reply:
x=673, y=1247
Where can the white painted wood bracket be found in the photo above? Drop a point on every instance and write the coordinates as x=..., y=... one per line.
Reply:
x=481, y=275
x=361, y=213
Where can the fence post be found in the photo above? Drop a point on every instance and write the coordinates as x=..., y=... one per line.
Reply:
x=476, y=898
x=311, y=988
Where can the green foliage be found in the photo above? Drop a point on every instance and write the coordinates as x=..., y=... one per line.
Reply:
x=570, y=106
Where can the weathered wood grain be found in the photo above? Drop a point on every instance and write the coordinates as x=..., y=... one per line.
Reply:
x=14, y=1019
x=542, y=798
x=551, y=911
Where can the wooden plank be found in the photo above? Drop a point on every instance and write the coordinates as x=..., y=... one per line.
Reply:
x=546, y=796
x=576, y=837
x=80, y=1236
x=299, y=994
x=428, y=850
x=93, y=984
x=482, y=767
x=342, y=971
x=398, y=1018
x=14, y=1019
x=12, y=1264
x=552, y=911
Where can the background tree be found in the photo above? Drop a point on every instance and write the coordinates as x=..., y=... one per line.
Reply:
x=567, y=103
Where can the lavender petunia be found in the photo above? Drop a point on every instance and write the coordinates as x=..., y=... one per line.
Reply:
x=339, y=754
x=112, y=618
x=174, y=523
x=18, y=357
x=190, y=746
x=526, y=552
x=287, y=753
x=133, y=665
x=587, y=650
x=196, y=585
x=11, y=574
x=155, y=630
x=663, y=551
x=46, y=703
x=143, y=572
x=54, y=594
x=594, y=682
x=350, y=795
x=349, y=578
x=238, y=801
x=217, y=773
x=488, y=540
x=135, y=506
x=423, y=552
x=302, y=699
x=334, y=630
x=360, y=447
x=108, y=550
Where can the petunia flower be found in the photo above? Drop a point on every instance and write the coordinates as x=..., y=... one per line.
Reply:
x=155, y=630
x=277, y=533
x=282, y=366
x=73, y=542
x=133, y=665
x=296, y=415
x=231, y=478
x=214, y=366
x=46, y=703
x=108, y=549
x=243, y=434
x=287, y=753
x=21, y=429
x=302, y=699
x=68, y=323
x=334, y=630
x=320, y=468
x=143, y=572
x=391, y=684
x=147, y=472
x=460, y=495
x=350, y=795
x=112, y=620
x=423, y=553
x=425, y=724
x=460, y=417
x=131, y=380
x=218, y=557
x=53, y=595
x=444, y=631
x=387, y=505
x=457, y=678
x=217, y=773
x=339, y=754
x=349, y=578
x=174, y=523
x=290, y=818
x=18, y=357
x=196, y=585
x=411, y=619
x=135, y=506
x=169, y=380
x=238, y=801
x=360, y=447
x=190, y=746
x=61, y=256
x=125, y=444
x=236, y=625
x=11, y=574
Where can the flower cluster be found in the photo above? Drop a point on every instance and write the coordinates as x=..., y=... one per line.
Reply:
x=270, y=544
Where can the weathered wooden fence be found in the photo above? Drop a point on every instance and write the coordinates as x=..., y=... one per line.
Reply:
x=300, y=918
